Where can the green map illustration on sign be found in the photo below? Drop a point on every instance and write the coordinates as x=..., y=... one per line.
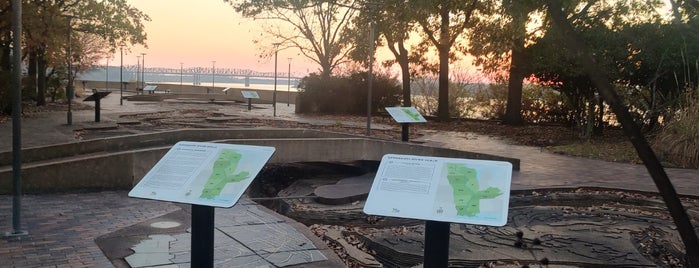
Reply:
x=465, y=186
x=226, y=163
x=415, y=116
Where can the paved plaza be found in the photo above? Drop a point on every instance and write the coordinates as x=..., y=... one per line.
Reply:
x=68, y=230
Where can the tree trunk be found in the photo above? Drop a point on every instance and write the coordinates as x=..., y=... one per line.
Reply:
x=633, y=131
x=513, y=110
x=599, y=124
x=30, y=90
x=404, y=63
x=5, y=57
x=443, y=47
x=41, y=78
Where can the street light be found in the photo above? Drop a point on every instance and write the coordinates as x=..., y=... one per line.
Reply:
x=181, y=64
x=274, y=95
x=121, y=76
x=106, y=75
x=213, y=74
x=138, y=73
x=372, y=7
x=288, y=89
x=17, y=119
x=143, y=70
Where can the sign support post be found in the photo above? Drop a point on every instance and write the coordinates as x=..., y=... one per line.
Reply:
x=202, y=236
x=436, y=252
x=405, y=133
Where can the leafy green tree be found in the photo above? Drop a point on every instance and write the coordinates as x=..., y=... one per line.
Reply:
x=317, y=28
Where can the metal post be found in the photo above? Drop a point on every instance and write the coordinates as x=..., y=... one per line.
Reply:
x=16, y=120
x=70, y=88
x=213, y=74
x=371, y=69
x=97, y=107
x=106, y=75
x=181, y=75
x=405, y=134
x=202, y=236
x=288, y=89
x=274, y=95
x=138, y=73
x=121, y=76
x=143, y=70
x=436, y=244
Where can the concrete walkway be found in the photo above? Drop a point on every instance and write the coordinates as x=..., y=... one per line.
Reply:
x=64, y=227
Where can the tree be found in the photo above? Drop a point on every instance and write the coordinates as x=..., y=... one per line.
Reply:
x=317, y=28
x=393, y=23
x=655, y=168
x=45, y=30
x=442, y=23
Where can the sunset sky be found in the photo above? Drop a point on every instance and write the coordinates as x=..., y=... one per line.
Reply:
x=196, y=33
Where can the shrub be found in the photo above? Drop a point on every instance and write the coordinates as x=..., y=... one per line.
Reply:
x=346, y=94
x=678, y=140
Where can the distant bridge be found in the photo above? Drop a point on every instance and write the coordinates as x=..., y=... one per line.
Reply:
x=205, y=71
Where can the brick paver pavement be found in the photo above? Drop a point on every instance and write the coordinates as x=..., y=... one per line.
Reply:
x=63, y=227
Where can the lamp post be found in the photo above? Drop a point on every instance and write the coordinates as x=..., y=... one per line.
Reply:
x=274, y=95
x=17, y=119
x=70, y=88
x=138, y=73
x=288, y=89
x=121, y=76
x=106, y=75
x=213, y=74
x=373, y=7
x=143, y=70
x=181, y=64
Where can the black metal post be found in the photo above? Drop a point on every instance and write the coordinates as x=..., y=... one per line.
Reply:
x=16, y=120
x=436, y=244
x=70, y=89
x=373, y=7
x=274, y=95
x=121, y=77
x=249, y=104
x=405, y=133
x=202, y=236
x=143, y=70
x=97, y=107
x=288, y=88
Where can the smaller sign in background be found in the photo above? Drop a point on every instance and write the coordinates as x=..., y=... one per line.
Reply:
x=405, y=115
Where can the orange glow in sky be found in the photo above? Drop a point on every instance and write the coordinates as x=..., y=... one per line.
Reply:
x=195, y=33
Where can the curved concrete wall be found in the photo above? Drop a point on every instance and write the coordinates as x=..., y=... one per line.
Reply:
x=100, y=164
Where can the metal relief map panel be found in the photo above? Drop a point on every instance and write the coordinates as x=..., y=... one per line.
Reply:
x=203, y=173
x=441, y=189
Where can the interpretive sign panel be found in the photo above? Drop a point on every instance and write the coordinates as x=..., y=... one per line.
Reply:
x=150, y=87
x=441, y=189
x=250, y=94
x=405, y=115
x=203, y=173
